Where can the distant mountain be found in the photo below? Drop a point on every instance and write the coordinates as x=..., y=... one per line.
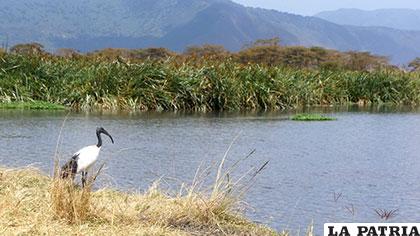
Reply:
x=233, y=25
x=405, y=19
x=49, y=21
x=93, y=24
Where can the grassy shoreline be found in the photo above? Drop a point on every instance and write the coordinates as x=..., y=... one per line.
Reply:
x=32, y=105
x=83, y=84
x=28, y=203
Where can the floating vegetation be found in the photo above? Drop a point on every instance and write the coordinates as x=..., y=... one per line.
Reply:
x=312, y=117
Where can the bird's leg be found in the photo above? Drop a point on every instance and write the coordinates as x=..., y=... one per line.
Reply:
x=83, y=178
x=86, y=177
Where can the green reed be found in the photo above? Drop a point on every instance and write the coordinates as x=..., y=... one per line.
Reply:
x=88, y=84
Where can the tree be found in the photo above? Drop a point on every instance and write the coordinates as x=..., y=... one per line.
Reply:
x=67, y=53
x=207, y=51
x=152, y=54
x=364, y=61
x=111, y=54
x=267, y=55
x=263, y=42
x=415, y=64
x=319, y=54
x=30, y=49
x=262, y=51
x=300, y=57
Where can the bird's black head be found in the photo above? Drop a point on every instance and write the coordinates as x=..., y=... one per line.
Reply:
x=100, y=131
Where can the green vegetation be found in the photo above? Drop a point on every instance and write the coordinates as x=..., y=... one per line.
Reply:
x=197, y=83
x=34, y=105
x=311, y=117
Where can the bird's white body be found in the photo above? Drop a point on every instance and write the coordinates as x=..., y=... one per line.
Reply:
x=87, y=156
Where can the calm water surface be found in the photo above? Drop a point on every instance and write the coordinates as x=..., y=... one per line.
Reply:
x=371, y=159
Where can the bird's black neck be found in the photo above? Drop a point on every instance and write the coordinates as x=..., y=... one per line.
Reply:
x=98, y=134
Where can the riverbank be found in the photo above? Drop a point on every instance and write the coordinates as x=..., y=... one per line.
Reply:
x=31, y=105
x=86, y=84
x=32, y=203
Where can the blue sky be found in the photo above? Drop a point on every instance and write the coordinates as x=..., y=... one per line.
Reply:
x=310, y=7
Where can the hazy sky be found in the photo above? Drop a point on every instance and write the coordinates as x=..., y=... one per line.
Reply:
x=310, y=7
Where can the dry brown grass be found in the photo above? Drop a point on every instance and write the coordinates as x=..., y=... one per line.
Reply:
x=70, y=203
x=32, y=203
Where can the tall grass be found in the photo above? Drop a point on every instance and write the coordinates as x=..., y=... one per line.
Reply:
x=206, y=86
x=70, y=202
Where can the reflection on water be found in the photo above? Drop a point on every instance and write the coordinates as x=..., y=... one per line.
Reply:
x=369, y=156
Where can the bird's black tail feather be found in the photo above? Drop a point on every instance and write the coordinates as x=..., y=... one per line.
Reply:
x=69, y=169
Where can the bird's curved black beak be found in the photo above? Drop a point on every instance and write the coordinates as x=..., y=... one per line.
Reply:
x=107, y=134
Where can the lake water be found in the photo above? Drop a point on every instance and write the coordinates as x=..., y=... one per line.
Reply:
x=370, y=158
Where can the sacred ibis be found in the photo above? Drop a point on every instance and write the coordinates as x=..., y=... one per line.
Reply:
x=83, y=159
